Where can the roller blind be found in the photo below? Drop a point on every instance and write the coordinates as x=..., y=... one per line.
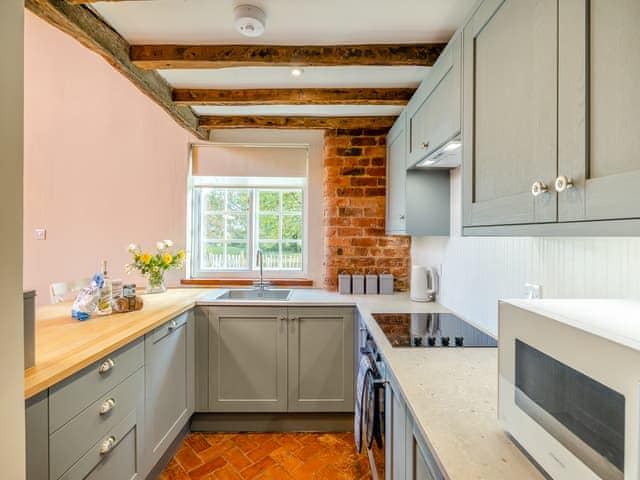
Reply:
x=244, y=161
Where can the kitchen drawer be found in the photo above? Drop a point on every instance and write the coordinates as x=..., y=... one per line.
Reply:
x=165, y=329
x=70, y=442
x=118, y=464
x=71, y=396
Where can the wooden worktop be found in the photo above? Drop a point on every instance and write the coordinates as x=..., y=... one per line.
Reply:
x=65, y=345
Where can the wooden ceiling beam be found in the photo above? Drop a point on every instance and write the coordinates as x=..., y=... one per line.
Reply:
x=212, y=122
x=151, y=57
x=293, y=96
x=82, y=24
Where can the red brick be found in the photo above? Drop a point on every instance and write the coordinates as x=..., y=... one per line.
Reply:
x=363, y=181
x=374, y=192
x=364, y=141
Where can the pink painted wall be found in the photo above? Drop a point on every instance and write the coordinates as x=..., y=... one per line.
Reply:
x=103, y=165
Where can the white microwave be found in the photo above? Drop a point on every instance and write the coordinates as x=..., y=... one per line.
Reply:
x=569, y=385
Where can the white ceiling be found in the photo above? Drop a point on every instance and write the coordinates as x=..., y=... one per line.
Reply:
x=304, y=22
x=301, y=110
x=290, y=22
x=312, y=77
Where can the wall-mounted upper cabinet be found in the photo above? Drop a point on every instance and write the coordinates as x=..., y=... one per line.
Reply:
x=417, y=200
x=551, y=115
x=433, y=113
x=599, y=110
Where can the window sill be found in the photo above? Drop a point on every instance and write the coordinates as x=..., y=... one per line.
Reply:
x=243, y=282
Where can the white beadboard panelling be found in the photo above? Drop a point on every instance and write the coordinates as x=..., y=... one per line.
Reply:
x=477, y=271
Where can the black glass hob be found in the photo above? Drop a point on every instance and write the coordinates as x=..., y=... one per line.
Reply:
x=431, y=330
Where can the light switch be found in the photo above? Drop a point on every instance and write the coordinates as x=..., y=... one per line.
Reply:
x=41, y=234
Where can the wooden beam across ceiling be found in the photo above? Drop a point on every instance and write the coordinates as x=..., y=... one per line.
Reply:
x=151, y=57
x=83, y=25
x=213, y=122
x=293, y=96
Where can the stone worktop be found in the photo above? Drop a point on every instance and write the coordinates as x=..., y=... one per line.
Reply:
x=451, y=393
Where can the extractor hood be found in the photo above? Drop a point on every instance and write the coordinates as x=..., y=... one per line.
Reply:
x=445, y=156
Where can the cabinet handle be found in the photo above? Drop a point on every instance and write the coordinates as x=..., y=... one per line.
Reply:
x=402, y=217
x=107, y=406
x=107, y=445
x=106, y=366
x=563, y=183
x=293, y=319
x=424, y=145
x=172, y=325
x=538, y=188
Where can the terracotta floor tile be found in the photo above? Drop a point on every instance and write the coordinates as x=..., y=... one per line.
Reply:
x=188, y=459
x=204, y=470
x=265, y=456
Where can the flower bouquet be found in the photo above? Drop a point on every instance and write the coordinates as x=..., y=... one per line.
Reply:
x=153, y=266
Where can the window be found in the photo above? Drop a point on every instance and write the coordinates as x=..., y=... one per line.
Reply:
x=231, y=223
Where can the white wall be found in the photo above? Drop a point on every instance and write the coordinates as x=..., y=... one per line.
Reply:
x=12, y=463
x=478, y=271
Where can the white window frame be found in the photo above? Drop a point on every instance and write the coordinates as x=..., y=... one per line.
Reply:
x=194, y=226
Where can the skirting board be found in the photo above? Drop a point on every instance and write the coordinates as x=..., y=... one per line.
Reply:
x=272, y=422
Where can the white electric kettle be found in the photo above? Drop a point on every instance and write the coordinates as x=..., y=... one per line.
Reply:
x=424, y=284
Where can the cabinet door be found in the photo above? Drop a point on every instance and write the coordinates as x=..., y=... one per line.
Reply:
x=423, y=463
x=321, y=359
x=248, y=359
x=599, y=109
x=397, y=431
x=396, y=177
x=166, y=386
x=433, y=114
x=510, y=106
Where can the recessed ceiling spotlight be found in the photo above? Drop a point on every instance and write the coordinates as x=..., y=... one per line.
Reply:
x=296, y=72
x=249, y=20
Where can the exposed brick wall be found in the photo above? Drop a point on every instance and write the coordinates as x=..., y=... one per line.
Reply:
x=354, y=209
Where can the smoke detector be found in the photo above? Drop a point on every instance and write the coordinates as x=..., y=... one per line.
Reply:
x=249, y=20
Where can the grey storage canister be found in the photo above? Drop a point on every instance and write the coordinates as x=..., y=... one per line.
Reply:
x=357, y=284
x=386, y=284
x=344, y=284
x=29, y=298
x=372, y=284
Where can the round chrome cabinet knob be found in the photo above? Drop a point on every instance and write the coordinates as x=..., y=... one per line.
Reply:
x=563, y=183
x=538, y=188
x=424, y=145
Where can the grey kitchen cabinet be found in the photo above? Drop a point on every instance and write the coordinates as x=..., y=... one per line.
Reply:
x=37, y=436
x=396, y=178
x=417, y=200
x=433, y=113
x=201, y=358
x=248, y=359
x=599, y=110
x=510, y=65
x=321, y=359
x=168, y=384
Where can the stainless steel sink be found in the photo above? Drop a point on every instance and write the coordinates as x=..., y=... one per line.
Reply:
x=255, y=294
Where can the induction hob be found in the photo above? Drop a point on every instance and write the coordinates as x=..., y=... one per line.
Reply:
x=431, y=330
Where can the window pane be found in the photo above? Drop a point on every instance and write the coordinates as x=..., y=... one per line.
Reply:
x=270, y=254
x=238, y=227
x=213, y=255
x=238, y=200
x=214, y=227
x=292, y=227
x=291, y=255
x=214, y=200
x=269, y=201
x=292, y=201
x=269, y=227
x=237, y=256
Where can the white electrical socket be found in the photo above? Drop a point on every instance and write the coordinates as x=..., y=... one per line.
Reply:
x=41, y=234
x=533, y=290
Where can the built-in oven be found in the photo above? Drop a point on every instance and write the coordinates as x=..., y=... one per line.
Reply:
x=373, y=408
x=569, y=397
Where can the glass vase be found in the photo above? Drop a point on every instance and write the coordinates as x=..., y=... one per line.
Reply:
x=155, y=283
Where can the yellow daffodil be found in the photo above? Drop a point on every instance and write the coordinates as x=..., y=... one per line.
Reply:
x=145, y=258
x=167, y=258
x=181, y=254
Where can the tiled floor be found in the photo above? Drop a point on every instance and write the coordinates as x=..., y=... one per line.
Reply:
x=281, y=456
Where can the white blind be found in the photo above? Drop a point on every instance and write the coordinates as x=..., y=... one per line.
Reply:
x=241, y=161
